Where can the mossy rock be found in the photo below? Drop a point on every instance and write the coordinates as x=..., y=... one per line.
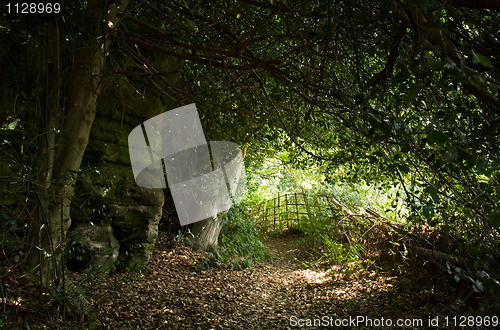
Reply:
x=135, y=224
x=134, y=257
x=92, y=246
x=119, y=194
x=112, y=131
x=105, y=174
x=135, y=195
x=100, y=150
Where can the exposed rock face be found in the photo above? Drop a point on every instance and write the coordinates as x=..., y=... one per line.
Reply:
x=93, y=245
x=106, y=193
x=114, y=221
x=108, y=196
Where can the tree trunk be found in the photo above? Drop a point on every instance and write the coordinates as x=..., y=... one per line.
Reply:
x=58, y=172
x=207, y=232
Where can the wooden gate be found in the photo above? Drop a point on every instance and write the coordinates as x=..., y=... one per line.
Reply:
x=288, y=210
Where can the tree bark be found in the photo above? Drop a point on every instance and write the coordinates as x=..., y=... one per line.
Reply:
x=207, y=232
x=58, y=172
x=437, y=255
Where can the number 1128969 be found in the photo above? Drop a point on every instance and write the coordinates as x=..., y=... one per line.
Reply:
x=33, y=8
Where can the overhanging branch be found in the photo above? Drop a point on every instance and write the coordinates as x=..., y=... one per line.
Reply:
x=391, y=59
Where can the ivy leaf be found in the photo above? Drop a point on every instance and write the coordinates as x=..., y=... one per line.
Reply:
x=478, y=286
x=481, y=59
x=428, y=211
x=434, y=193
x=495, y=73
x=437, y=137
x=13, y=124
x=412, y=93
x=462, y=136
x=451, y=154
x=495, y=219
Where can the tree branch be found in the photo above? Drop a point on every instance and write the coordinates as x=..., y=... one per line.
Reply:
x=391, y=59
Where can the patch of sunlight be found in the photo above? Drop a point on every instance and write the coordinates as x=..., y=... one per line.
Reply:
x=344, y=293
x=311, y=276
x=13, y=301
x=308, y=184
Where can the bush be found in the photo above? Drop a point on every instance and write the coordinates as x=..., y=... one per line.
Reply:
x=240, y=242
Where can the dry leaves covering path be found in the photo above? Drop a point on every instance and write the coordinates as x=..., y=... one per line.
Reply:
x=177, y=292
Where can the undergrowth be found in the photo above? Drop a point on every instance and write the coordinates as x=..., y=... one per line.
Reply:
x=240, y=241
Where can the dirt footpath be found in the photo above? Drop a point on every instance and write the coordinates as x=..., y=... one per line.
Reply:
x=178, y=292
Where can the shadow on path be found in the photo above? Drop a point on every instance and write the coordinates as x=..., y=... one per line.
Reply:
x=176, y=292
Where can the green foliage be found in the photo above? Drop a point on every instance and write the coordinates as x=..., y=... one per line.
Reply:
x=272, y=172
x=363, y=186
x=240, y=242
x=478, y=281
x=182, y=237
x=330, y=231
x=326, y=227
x=266, y=178
x=5, y=320
x=397, y=100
